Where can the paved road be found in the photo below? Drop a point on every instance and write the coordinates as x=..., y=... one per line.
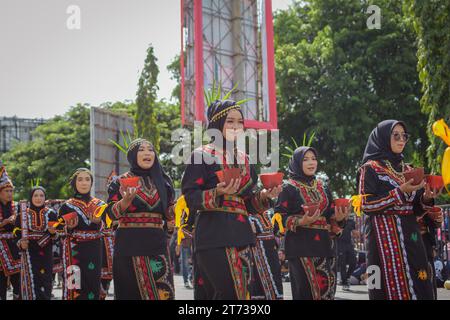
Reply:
x=181, y=293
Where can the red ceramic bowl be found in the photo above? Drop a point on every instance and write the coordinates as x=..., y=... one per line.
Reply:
x=435, y=182
x=231, y=173
x=418, y=174
x=434, y=212
x=132, y=182
x=341, y=202
x=219, y=175
x=69, y=216
x=310, y=208
x=271, y=180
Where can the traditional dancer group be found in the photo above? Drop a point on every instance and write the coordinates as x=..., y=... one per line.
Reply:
x=235, y=257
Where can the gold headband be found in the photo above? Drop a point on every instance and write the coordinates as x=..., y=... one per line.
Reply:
x=224, y=112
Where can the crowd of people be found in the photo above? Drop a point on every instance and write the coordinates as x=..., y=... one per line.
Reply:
x=235, y=239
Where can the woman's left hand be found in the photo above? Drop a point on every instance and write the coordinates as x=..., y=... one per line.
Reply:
x=271, y=193
x=431, y=194
x=342, y=213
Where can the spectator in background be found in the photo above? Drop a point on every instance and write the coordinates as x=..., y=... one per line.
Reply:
x=359, y=276
x=173, y=255
x=284, y=266
x=347, y=253
x=184, y=252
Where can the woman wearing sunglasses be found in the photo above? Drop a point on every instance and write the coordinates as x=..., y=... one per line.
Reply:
x=397, y=261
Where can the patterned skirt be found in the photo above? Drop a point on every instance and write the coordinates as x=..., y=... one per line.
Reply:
x=143, y=278
x=267, y=283
x=82, y=262
x=313, y=278
x=396, y=256
x=36, y=272
x=223, y=274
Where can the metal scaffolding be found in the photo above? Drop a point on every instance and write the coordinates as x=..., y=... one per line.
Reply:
x=14, y=129
x=230, y=43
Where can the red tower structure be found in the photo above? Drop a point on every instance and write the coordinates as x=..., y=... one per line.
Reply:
x=228, y=42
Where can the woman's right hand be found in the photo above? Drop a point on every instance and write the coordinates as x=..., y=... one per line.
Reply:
x=408, y=186
x=72, y=223
x=128, y=196
x=307, y=219
x=222, y=188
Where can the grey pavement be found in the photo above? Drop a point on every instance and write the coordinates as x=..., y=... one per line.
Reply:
x=181, y=293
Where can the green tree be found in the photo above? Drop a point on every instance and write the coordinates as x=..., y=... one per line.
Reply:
x=145, y=118
x=339, y=79
x=127, y=107
x=431, y=20
x=174, y=69
x=58, y=148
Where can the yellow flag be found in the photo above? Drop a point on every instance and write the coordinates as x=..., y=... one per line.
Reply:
x=60, y=221
x=180, y=206
x=180, y=234
x=446, y=169
x=99, y=211
x=357, y=202
x=441, y=130
x=278, y=219
x=108, y=221
x=15, y=231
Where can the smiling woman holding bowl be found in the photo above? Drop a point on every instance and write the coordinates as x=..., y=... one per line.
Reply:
x=392, y=199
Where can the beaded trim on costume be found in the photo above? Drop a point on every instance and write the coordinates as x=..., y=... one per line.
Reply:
x=222, y=113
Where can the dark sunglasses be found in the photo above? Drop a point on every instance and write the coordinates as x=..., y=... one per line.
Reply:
x=400, y=136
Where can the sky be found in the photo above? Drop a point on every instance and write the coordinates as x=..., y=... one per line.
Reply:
x=46, y=67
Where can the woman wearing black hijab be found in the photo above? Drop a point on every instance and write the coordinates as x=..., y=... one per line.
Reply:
x=395, y=249
x=222, y=232
x=141, y=263
x=37, y=255
x=309, y=238
x=81, y=246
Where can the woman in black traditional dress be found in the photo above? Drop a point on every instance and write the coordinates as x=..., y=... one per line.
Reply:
x=142, y=268
x=37, y=254
x=82, y=255
x=223, y=234
x=395, y=249
x=9, y=252
x=309, y=238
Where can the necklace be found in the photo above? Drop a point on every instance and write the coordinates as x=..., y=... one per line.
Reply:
x=311, y=191
x=306, y=186
x=399, y=175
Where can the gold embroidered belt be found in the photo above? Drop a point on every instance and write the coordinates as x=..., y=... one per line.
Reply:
x=232, y=204
x=86, y=235
x=320, y=224
x=141, y=220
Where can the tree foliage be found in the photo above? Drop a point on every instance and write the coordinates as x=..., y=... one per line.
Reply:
x=339, y=79
x=431, y=20
x=146, y=99
x=58, y=148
